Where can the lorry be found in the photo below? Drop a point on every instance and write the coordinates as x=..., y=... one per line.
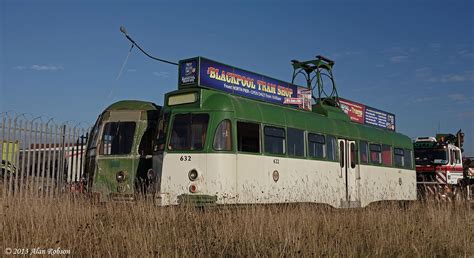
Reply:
x=440, y=171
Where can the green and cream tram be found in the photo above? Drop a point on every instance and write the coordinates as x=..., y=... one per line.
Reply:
x=119, y=151
x=226, y=137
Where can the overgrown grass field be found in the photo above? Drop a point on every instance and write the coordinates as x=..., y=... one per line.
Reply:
x=142, y=229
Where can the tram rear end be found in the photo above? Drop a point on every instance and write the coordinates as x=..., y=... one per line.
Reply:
x=119, y=152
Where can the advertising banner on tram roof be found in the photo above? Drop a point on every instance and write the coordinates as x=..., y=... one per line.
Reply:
x=206, y=73
x=363, y=114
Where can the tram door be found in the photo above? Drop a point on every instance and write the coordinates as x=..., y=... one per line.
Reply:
x=349, y=172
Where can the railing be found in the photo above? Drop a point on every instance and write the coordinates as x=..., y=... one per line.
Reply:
x=40, y=159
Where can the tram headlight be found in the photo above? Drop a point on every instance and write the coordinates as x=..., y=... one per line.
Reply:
x=193, y=175
x=120, y=176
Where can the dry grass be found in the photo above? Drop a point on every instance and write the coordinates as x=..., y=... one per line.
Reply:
x=141, y=229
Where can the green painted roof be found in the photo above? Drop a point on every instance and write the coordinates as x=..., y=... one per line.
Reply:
x=328, y=121
x=132, y=105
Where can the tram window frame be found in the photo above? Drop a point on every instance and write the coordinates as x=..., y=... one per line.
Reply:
x=295, y=137
x=364, y=149
x=375, y=148
x=240, y=130
x=191, y=132
x=408, y=158
x=319, y=140
x=218, y=137
x=272, y=134
x=331, y=139
x=387, y=155
x=398, y=157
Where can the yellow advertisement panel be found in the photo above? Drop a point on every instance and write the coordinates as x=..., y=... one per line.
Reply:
x=8, y=150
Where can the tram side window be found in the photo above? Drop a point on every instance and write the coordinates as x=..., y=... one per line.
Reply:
x=117, y=138
x=398, y=157
x=295, y=142
x=248, y=137
x=189, y=132
x=223, y=136
x=331, y=147
x=316, y=145
x=386, y=155
x=408, y=158
x=274, y=140
x=375, y=154
x=364, y=150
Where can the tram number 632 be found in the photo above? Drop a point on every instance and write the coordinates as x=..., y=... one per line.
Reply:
x=185, y=158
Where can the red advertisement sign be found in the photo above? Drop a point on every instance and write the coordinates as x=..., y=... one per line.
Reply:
x=354, y=110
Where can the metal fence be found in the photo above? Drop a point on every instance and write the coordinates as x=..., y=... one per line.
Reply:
x=40, y=159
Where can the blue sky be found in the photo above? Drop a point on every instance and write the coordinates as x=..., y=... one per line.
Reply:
x=415, y=59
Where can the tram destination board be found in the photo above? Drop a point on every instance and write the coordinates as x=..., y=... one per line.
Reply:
x=363, y=114
x=202, y=72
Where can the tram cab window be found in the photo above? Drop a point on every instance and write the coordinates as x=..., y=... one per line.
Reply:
x=331, y=147
x=364, y=152
x=386, y=155
x=398, y=157
x=316, y=145
x=248, y=137
x=223, y=136
x=375, y=154
x=189, y=132
x=93, y=137
x=117, y=138
x=408, y=154
x=274, y=140
x=295, y=142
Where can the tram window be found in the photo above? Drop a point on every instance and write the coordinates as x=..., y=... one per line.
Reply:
x=354, y=160
x=398, y=157
x=189, y=132
x=375, y=153
x=93, y=137
x=386, y=155
x=274, y=140
x=223, y=136
x=295, y=142
x=248, y=137
x=452, y=157
x=146, y=146
x=316, y=145
x=364, y=157
x=341, y=153
x=331, y=147
x=408, y=158
x=161, y=135
x=117, y=138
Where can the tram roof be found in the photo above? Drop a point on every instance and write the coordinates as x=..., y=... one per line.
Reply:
x=132, y=105
x=325, y=119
